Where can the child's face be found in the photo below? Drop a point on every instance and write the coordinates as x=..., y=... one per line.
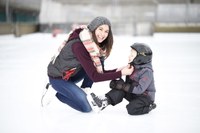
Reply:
x=132, y=55
x=102, y=33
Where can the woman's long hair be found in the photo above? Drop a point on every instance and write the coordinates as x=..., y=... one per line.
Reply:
x=107, y=43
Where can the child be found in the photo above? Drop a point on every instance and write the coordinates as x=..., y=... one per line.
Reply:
x=138, y=88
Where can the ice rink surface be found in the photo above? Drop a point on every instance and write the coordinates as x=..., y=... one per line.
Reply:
x=176, y=63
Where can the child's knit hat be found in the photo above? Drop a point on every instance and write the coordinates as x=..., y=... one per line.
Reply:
x=98, y=21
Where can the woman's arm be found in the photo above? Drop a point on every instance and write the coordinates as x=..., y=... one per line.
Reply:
x=85, y=60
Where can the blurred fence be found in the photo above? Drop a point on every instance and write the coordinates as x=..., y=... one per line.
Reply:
x=126, y=19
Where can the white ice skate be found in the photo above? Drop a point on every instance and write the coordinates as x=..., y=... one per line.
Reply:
x=97, y=103
x=92, y=103
x=48, y=95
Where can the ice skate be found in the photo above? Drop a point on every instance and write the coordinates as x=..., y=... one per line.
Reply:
x=92, y=103
x=97, y=103
x=48, y=95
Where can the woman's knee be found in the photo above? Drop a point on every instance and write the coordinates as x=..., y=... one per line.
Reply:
x=84, y=104
x=86, y=109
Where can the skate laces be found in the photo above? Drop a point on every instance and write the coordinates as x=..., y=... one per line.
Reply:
x=100, y=101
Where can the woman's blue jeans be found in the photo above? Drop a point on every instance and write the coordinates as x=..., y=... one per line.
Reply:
x=69, y=93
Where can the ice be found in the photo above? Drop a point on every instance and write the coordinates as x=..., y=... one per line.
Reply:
x=176, y=63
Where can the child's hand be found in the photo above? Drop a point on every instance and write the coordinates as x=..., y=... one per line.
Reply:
x=117, y=84
x=121, y=85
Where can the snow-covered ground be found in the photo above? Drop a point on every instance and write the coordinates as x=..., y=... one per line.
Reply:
x=176, y=63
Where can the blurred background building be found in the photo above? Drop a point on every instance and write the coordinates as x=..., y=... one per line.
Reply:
x=128, y=17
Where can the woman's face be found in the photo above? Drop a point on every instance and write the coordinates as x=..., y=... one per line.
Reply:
x=102, y=33
x=132, y=55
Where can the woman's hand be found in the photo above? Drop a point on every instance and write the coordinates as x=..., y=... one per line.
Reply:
x=128, y=70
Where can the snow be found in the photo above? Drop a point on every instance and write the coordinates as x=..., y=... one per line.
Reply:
x=176, y=62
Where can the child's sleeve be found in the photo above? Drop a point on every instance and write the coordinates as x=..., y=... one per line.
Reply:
x=144, y=81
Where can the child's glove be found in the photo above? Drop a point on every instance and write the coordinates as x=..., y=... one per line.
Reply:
x=121, y=85
x=127, y=87
x=117, y=84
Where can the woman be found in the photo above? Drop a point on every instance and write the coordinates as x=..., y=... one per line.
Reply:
x=82, y=58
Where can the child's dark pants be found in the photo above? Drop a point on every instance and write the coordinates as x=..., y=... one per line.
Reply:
x=138, y=104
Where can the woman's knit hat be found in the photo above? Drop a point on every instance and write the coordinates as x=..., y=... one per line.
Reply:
x=98, y=21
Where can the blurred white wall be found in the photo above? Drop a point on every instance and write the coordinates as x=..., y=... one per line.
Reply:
x=52, y=12
x=124, y=18
x=181, y=13
x=131, y=19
